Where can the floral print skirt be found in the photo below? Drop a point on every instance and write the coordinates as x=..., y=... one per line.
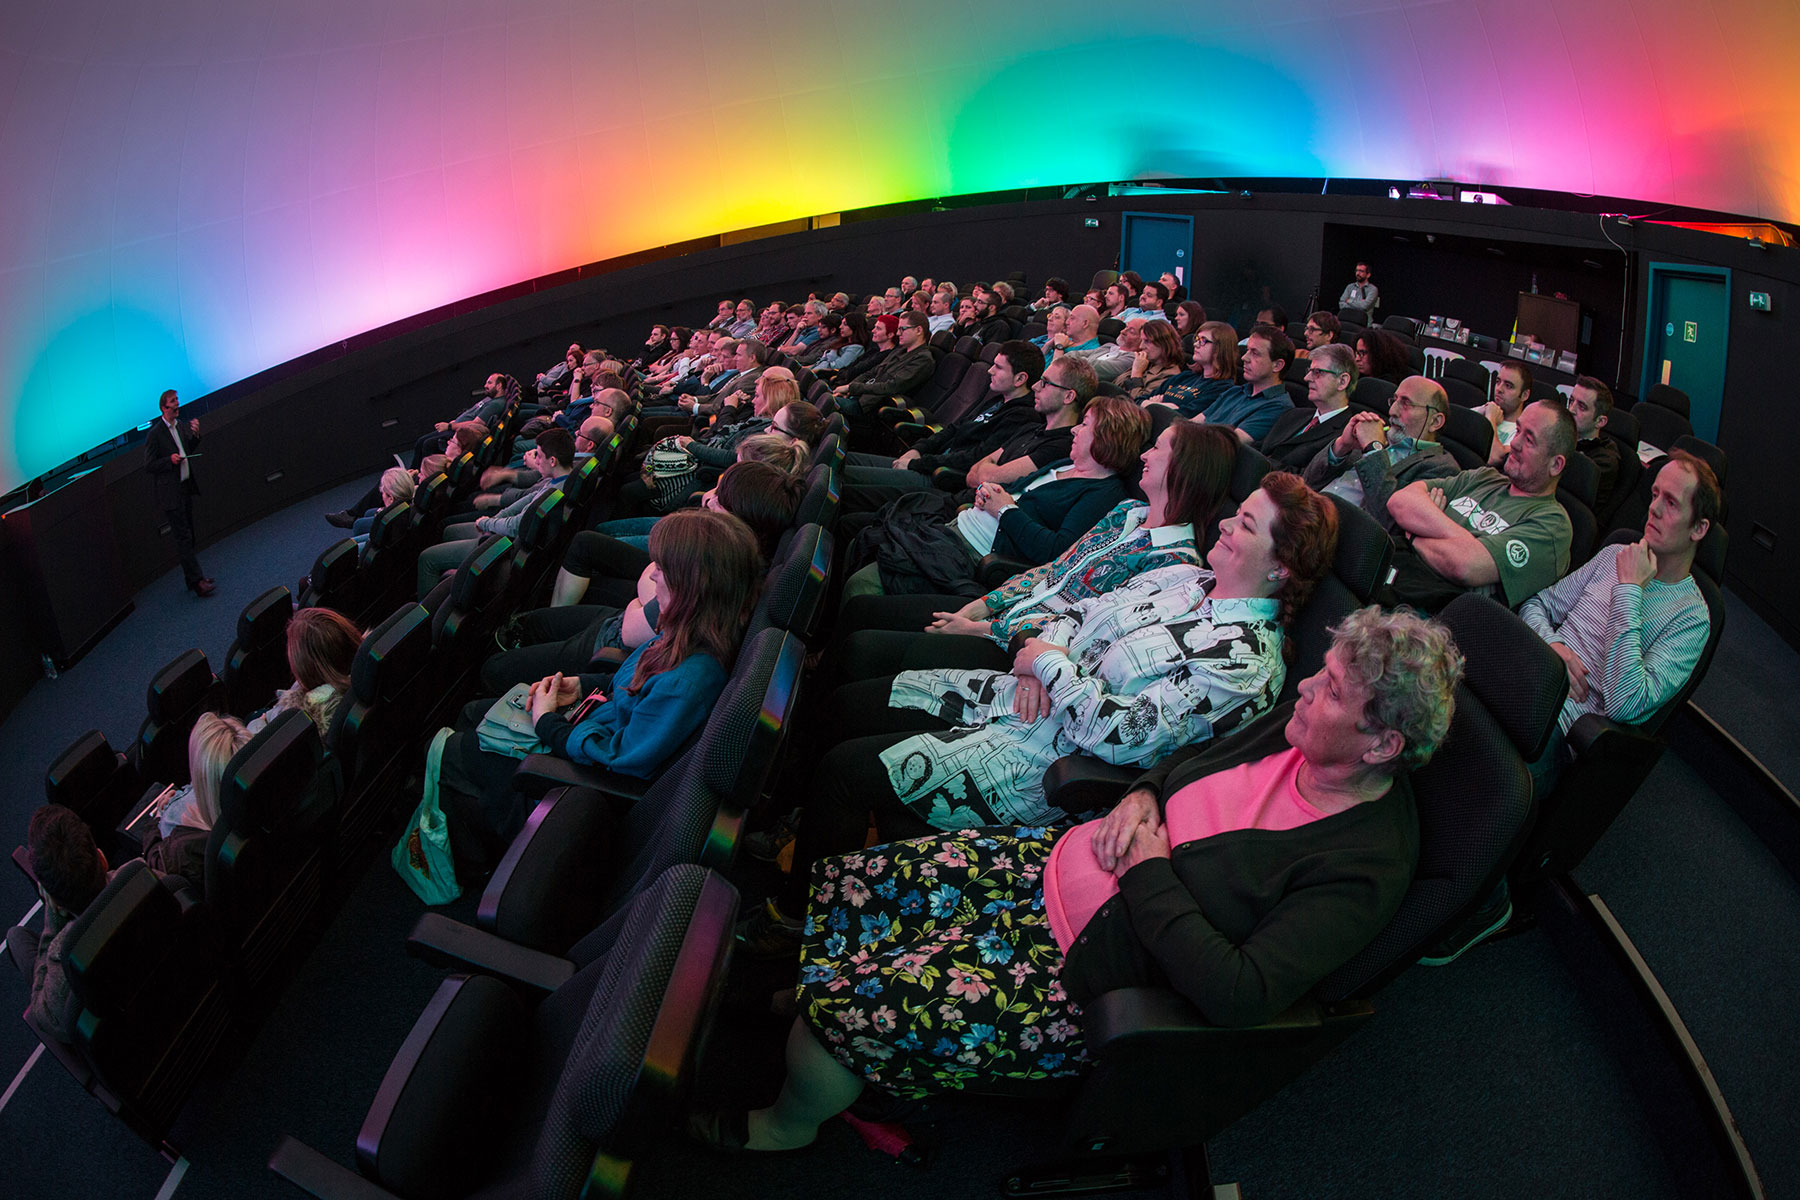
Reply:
x=929, y=965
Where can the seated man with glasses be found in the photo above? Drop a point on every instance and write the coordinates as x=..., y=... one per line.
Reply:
x=1300, y=433
x=1321, y=330
x=1370, y=460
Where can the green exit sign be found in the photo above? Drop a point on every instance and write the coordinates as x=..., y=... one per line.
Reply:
x=1761, y=300
x=1690, y=331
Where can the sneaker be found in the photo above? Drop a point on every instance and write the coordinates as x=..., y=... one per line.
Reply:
x=767, y=934
x=342, y=519
x=768, y=844
x=1483, y=924
x=509, y=636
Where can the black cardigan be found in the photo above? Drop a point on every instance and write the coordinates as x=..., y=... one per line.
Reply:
x=1245, y=923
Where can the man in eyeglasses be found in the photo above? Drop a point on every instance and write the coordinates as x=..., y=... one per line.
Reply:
x=1300, y=433
x=1370, y=460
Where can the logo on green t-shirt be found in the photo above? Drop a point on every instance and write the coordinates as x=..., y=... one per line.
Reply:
x=1517, y=553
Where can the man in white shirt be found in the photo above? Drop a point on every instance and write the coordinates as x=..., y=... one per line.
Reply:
x=1512, y=392
x=167, y=451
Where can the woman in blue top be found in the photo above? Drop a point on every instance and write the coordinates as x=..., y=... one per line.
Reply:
x=706, y=570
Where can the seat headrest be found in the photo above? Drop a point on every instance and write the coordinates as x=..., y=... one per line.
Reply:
x=1364, y=550
x=265, y=618
x=266, y=782
x=179, y=687
x=1469, y=429
x=1513, y=672
x=385, y=651
x=1671, y=398
x=119, y=937
x=1580, y=478
x=1706, y=452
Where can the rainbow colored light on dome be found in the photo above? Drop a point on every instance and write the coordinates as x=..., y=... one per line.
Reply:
x=194, y=192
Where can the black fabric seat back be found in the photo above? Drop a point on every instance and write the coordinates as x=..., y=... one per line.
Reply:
x=1401, y=327
x=819, y=504
x=1580, y=478
x=93, y=780
x=487, y=1097
x=431, y=504
x=1473, y=374
x=1467, y=436
x=1622, y=426
x=265, y=862
x=969, y=346
x=794, y=591
x=1474, y=796
x=968, y=395
x=334, y=582
x=1110, y=329
x=146, y=972
x=943, y=340
x=1666, y=396
x=1462, y=393
x=371, y=737
x=1631, y=467
x=478, y=579
x=944, y=380
x=1247, y=471
x=1364, y=551
x=1661, y=426
x=830, y=450
x=174, y=701
x=1372, y=393
x=256, y=664
x=1583, y=529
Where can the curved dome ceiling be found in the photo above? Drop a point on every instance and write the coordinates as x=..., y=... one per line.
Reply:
x=194, y=190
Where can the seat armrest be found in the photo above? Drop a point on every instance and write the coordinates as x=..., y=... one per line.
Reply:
x=319, y=1176
x=1078, y=783
x=995, y=569
x=1134, y=1014
x=445, y=943
x=914, y=432
x=946, y=480
x=1591, y=727
x=538, y=773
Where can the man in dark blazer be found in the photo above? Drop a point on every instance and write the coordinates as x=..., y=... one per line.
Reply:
x=1301, y=433
x=167, y=458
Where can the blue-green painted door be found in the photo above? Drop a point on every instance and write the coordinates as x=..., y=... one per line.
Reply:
x=1151, y=243
x=1688, y=334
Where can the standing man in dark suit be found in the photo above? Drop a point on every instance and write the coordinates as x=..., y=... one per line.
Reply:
x=1300, y=433
x=167, y=457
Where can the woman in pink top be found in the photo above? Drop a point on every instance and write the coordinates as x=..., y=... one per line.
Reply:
x=1240, y=875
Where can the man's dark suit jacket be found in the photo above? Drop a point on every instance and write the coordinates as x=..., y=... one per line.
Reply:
x=1290, y=445
x=158, y=445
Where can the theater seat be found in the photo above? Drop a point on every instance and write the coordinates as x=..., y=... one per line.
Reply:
x=1467, y=436
x=334, y=581
x=1612, y=760
x=266, y=858
x=175, y=699
x=584, y=852
x=256, y=663
x=500, y=1090
x=1164, y=1080
x=371, y=738
x=145, y=968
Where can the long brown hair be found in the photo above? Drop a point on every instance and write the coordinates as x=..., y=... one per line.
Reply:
x=321, y=645
x=1227, y=361
x=1199, y=476
x=1305, y=537
x=713, y=570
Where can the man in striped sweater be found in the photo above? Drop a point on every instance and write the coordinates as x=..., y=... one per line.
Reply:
x=1630, y=625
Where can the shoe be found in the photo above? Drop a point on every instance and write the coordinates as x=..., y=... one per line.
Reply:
x=205, y=587
x=508, y=636
x=342, y=519
x=767, y=934
x=1483, y=924
x=768, y=844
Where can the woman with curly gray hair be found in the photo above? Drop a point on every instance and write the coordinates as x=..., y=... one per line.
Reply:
x=1240, y=875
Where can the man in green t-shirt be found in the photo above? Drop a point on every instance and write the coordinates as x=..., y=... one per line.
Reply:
x=1498, y=532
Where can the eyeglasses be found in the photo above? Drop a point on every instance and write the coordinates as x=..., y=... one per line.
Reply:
x=1407, y=402
x=1311, y=371
x=1045, y=381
